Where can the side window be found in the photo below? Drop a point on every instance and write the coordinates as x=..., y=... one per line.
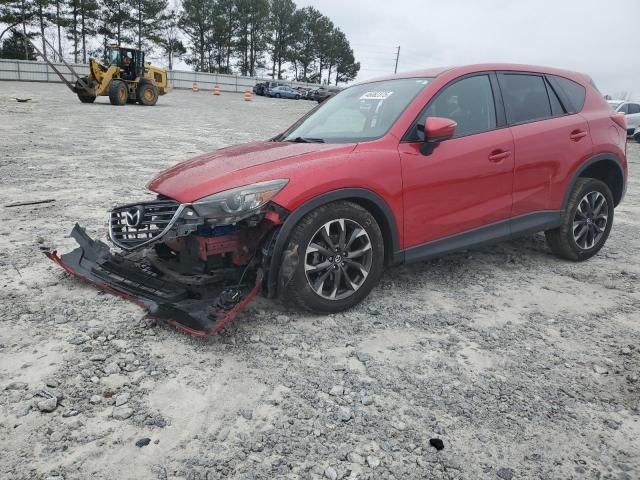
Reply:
x=624, y=108
x=574, y=92
x=634, y=108
x=469, y=102
x=525, y=97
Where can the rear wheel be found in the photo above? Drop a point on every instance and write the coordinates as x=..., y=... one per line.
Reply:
x=586, y=223
x=297, y=97
x=636, y=137
x=148, y=94
x=334, y=258
x=277, y=95
x=118, y=92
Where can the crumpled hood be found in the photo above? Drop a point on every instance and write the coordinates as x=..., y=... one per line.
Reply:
x=223, y=169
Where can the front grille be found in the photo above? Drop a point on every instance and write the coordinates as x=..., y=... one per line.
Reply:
x=132, y=226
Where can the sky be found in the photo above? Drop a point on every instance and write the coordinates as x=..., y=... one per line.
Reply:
x=597, y=37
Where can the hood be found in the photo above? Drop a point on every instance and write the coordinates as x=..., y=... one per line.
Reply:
x=228, y=168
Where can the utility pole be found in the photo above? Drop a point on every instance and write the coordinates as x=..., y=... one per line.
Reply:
x=395, y=70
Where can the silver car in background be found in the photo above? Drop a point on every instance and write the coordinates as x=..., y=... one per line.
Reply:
x=284, y=91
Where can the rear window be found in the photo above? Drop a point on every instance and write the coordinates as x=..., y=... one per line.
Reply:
x=525, y=97
x=574, y=92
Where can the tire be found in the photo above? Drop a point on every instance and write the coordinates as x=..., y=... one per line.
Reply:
x=588, y=214
x=305, y=255
x=118, y=92
x=84, y=98
x=636, y=137
x=297, y=97
x=277, y=95
x=147, y=94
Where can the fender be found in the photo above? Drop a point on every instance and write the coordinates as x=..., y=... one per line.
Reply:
x=597, y=158
x=395, y=256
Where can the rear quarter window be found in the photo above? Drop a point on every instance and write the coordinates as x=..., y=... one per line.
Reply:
x=574, y=93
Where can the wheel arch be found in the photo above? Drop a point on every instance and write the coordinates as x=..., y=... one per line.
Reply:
x=368, y=199
x=606, y=167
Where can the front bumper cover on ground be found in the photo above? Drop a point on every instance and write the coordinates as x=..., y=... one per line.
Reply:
x=197, y=310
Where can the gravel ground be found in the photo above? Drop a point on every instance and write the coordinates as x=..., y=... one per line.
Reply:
x=523, y=365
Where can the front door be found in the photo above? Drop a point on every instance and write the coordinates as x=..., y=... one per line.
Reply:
x=466, y=182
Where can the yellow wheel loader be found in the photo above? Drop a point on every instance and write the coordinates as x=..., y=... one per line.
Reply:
x=124, y=77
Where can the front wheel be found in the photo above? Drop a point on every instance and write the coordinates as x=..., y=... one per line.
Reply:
x=335, y=256
x=118, y=92
x=585, y=224
x=277, y=95
x=636, y=137
x=297, y=97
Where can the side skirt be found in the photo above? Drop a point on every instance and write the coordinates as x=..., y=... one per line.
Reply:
x=496, y=232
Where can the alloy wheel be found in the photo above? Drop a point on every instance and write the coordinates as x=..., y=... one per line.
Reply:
x=590, y=220
x=338, y=259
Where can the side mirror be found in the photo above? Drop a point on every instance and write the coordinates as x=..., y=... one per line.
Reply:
x=436, y=130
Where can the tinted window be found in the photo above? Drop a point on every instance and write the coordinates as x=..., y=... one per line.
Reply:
x=634, y=108
x=525, y=97
x=469, y=102
x=624, y=108
x=574, y=92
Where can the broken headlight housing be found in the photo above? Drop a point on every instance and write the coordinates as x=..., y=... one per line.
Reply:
x=236, y=204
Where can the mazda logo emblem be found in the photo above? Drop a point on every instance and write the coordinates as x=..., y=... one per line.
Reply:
x=133, y=216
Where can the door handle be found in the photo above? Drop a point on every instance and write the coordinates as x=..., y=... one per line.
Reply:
x=499, y=155
x=577, y=135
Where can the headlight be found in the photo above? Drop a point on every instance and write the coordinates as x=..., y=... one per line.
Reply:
x=239, y=203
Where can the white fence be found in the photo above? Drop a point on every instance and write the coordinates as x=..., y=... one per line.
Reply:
x=29, y=71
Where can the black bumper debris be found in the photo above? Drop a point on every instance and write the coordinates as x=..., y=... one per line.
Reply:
x=197, y=310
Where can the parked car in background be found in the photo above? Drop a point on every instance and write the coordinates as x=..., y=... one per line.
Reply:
x=284, y=91
x=259, y=88
x=311, y=94
x=271, y=85
x=631, y=111
x=324, y=93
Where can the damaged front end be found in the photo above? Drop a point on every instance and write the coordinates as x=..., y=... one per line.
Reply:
x=194, y=265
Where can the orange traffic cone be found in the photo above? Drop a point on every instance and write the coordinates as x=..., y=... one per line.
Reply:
x=216, y=89
x=247, y=95
x=194, y=87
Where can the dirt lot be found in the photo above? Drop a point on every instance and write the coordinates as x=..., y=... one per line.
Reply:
x=525, y=366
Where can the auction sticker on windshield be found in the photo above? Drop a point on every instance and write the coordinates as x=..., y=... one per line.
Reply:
x=376, y=95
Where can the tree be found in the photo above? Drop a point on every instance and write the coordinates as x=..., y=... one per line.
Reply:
x=15, y=46
x=169, y=38
x=81, y=21
x=195, y=22
x=323, y=28
x=115, y=22
x=252, y=20
x=150, y=17
x=18, y=13
x=346, y=66
x=305, y=46
x=281, y=25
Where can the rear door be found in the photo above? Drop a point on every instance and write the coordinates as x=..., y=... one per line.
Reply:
x=549, y=137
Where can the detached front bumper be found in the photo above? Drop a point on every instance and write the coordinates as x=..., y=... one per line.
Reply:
x=197, y=310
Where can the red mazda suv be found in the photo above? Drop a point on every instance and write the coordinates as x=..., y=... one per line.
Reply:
x=399, y=169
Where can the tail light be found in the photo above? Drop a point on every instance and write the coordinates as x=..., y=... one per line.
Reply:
x=620, y=120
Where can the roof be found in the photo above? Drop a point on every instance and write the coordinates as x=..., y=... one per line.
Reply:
x=465, y=69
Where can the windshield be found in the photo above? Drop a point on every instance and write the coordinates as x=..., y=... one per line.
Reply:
x=112, y=56
x=359, y=113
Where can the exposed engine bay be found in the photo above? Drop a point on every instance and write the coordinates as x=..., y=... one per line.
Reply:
x=195, y=266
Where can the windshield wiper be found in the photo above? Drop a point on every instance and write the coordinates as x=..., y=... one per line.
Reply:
x=306, y=140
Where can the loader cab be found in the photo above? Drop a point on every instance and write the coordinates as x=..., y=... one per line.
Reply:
x=130, y=60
